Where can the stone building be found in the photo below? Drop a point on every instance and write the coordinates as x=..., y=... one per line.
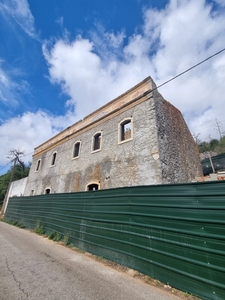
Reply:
x=136, y=139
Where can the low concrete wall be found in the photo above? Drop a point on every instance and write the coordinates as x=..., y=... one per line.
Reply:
x=17, y=189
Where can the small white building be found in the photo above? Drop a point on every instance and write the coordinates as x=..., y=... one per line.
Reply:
x=16, y=189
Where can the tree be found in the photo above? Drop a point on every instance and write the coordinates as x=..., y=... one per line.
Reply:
x=4, y=182
x=222, y=145
x=196, y=138
x=213, y=144
x=219, y=128
x=204, y=147
x=18, y=171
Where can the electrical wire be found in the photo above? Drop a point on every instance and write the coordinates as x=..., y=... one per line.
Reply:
x=196, y=65
x=28, y=154
x=164, y=83
x=10, y=162
x=180, y=74
x=5, y=166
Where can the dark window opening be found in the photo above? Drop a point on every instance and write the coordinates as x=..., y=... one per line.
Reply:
x=93, y=187
x=125, y=128
x=76, y=149
x=97, y=142
x=38, y=165
x=53, y=158
x=47, y=191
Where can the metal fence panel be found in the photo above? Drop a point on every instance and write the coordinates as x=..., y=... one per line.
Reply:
x=218, y=162
x=174, y=233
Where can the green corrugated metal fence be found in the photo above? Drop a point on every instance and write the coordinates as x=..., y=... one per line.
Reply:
x=174, y=233
x=218, y=164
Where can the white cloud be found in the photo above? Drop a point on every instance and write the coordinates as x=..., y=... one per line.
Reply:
x=60, y=21
x=19, y=10
x=91, y=72
x=3, y=78
x=190, y=32
x=7, y=88
x=11, y=86
x=82, y=74
x=115, y=40
x=92, y=79
x=28, y=131
x=220, y=2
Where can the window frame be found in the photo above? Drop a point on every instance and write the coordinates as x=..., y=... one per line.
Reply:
x=121, y=130
x=73, y=150
x=93, y=144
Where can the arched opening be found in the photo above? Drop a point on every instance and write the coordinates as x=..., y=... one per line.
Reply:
x=76, y=149
x=47, y=191
x=92, y=187
x=125, y=130
x=97, y=141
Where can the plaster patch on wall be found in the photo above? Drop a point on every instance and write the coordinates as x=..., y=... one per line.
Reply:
x=155, y=155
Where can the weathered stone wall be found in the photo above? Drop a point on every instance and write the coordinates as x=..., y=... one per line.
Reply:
x=114, y=105
x=115, y=165
x=162, y=149
x=178, y=152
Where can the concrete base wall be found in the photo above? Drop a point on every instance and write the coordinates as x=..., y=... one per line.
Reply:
x=16, y=189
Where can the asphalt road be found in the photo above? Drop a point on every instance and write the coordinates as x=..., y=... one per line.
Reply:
x=34, y=267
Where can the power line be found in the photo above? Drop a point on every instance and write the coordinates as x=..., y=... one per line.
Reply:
x=164, y=83
x=201, y=62
x=4, y=166
x=28, y=154
x=9, y=162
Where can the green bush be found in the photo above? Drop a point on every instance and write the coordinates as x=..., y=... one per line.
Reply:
x=66, y=240
x=15, y=223
x=55, y=236
x=40, y=230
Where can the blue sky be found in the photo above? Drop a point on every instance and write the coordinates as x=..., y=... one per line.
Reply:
x=60, y=60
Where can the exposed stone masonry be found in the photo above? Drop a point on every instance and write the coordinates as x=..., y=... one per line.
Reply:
x=158, y=147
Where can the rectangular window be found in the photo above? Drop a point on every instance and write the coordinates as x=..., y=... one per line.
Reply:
x=125, y=130
x=53, y=158
x=97, y=141
x=38, y=165
x=76, y=149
